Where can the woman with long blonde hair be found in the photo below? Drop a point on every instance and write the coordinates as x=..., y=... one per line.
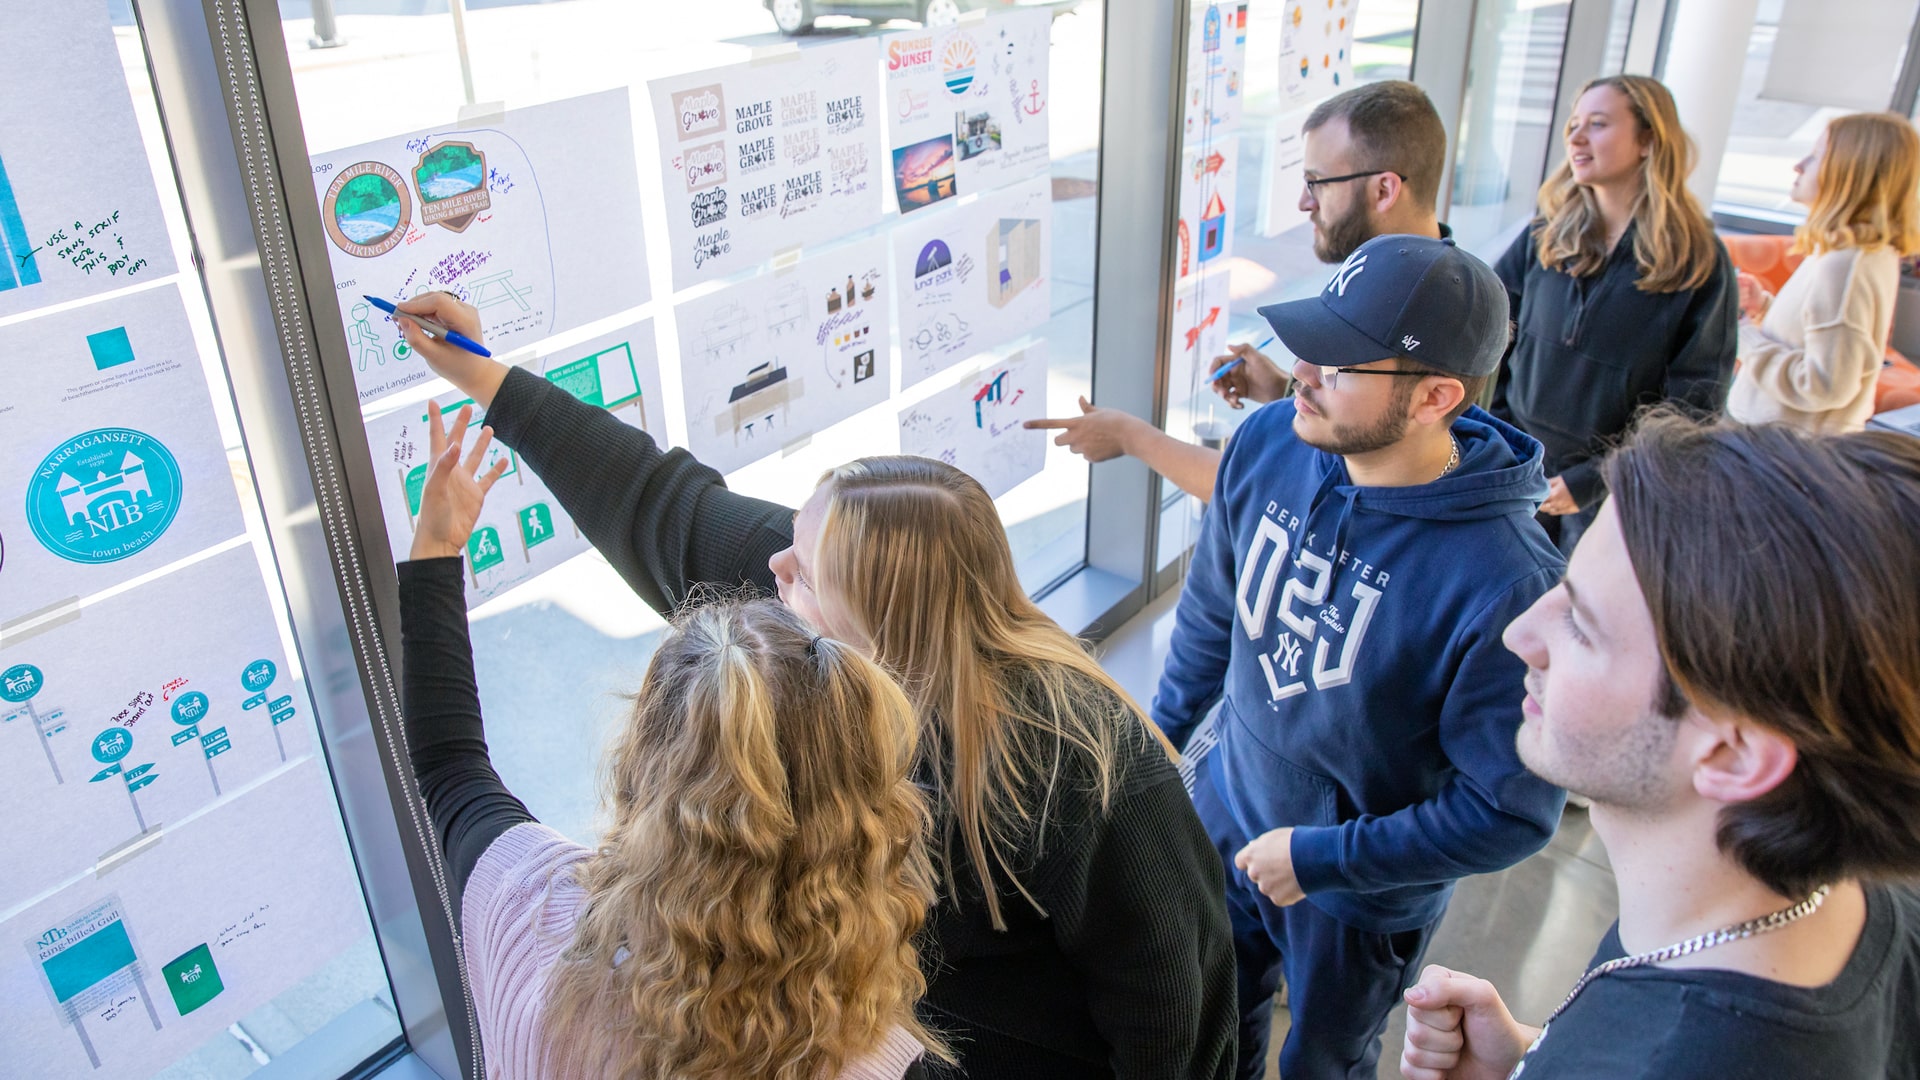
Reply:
x=1081, y=929
x=752, y=907
x=1811, y=355
x=1621, y=294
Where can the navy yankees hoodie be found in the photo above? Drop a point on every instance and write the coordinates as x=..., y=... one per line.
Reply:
x=1355, y=634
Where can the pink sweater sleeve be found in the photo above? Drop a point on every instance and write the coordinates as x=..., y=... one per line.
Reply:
x=517, y=916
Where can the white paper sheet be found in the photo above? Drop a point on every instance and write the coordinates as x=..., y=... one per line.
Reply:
x=783, y=355
x=1283, y=174
x=975, y=425
x=973, y=276
x=111, y=463
x=78, y=210
x=762, y=157
x=533, y=217
x=967, y=106
x=182, y=938
x=1316, y=49
x=1216, y=74
x=522, y=532
x=186, y=674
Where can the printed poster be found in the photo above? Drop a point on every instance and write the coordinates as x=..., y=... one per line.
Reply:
x=1216, y=74
x=778, y=357
x=967, y=106
x=1200, y=312
x=1316, y=50
x=761, y=157
x=1209, y=199
x=973, y=276
x=140, y=713
x=118, y=972
x=975, y=425
x=523, y=531
x=532, y=217
x=112, y=464
x=79, y=214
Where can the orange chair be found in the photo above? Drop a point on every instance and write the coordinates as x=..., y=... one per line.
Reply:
x=1768, y=258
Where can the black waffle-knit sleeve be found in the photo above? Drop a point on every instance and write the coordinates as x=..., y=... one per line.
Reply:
x=1139, y=908
x=665, y=521
x=469, y=805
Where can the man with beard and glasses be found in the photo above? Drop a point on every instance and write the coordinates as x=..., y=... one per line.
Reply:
x=1369, y=541
x=1373, y=157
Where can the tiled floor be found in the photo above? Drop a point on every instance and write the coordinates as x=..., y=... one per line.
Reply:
x=1530, y=929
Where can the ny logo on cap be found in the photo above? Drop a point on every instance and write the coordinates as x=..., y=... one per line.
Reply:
x=1349, y=270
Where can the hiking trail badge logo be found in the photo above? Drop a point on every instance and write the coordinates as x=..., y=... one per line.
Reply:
x=103, y=495
x=367, y=210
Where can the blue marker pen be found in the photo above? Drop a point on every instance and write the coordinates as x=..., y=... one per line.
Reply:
x=432, y=329
x=1238, y=360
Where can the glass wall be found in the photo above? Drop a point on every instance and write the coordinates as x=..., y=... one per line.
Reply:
x=953, y=289
x=1508, y=125
x=1246, y=103
x=1779, y=114
x=179, y=899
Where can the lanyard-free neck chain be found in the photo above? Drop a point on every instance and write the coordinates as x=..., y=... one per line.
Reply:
x=1765, y=924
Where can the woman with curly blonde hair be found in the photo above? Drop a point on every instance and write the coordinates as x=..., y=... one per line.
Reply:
x=1081, y=930
x=1621, y=294
x=1812, y=355
x=751, y=909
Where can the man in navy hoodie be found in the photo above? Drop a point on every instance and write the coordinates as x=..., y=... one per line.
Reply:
x=1369, y=541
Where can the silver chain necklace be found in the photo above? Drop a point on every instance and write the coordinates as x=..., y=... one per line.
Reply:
x=1453, y=459
x=1752, y=927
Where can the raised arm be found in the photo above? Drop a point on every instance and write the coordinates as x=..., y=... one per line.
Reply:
x=665, y=521
x=440, y=701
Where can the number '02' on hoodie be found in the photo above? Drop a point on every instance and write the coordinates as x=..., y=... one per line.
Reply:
x=1354, y=633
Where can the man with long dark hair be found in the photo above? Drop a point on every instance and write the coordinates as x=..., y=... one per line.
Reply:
x=1731, y=672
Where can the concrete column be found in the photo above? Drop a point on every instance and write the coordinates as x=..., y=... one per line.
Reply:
x=1706, y=54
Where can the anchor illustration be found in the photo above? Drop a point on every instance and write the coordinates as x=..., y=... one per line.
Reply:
x=1034, y=104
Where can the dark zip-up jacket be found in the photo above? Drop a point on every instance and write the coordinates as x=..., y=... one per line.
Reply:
x=1590, y=352
x=1129, y=971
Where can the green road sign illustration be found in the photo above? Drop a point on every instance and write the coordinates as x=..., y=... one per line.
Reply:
x=192, y=979
x=536, y=525
x=483, y=549
x=20, y=682
x=103, y=495
x=257, y=677
x=416, y=484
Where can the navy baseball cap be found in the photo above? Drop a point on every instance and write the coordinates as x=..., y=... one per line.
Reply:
x=1409, y=296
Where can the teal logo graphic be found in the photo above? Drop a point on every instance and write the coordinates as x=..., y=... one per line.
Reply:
x=20, y=682
x=259, y=675
x=111, y=745
x=110, y=348
x=190, y=708
x=103, y=495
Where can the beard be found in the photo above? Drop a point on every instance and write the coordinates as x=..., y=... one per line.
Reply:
x=1621, y=769
x=1336, y=238
x=1347, y=440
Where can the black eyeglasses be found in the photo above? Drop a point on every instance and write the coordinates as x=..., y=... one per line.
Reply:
x=1313, y=185
x=1330, y=376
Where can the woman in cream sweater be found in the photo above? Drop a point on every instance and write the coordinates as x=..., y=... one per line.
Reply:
x=1811, y=355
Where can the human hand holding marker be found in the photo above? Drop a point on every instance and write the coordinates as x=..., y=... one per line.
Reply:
x=477, y=376
x=1245, y=374
x=455, y=489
